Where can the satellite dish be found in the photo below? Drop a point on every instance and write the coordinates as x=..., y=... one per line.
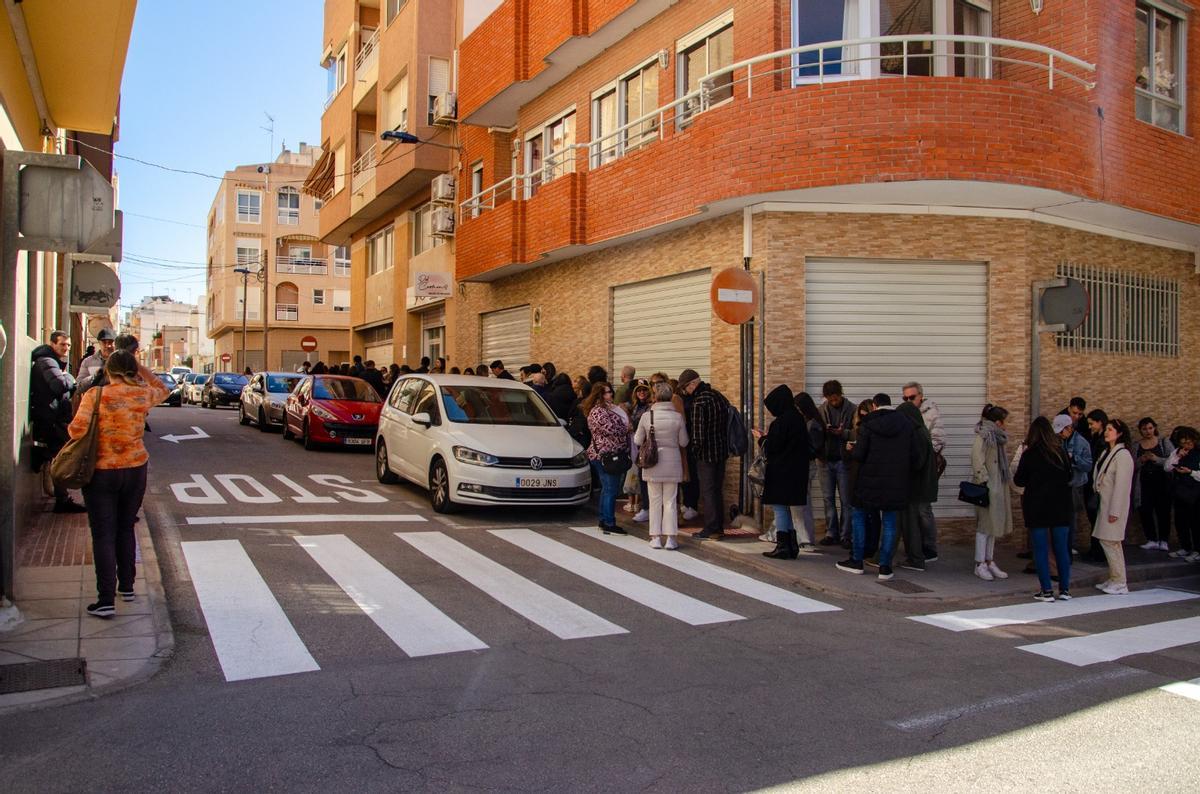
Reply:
x=1067, y=305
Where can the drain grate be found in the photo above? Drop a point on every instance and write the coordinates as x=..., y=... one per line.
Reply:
x=27, y=676
x=906, y=587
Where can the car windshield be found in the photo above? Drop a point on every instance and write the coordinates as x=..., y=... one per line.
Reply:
x=167, y=378
x=229, y=380
x=490, y=405
x=282, y=383
x=201, y=380
x=344, y=389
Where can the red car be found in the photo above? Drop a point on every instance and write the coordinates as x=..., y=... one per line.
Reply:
x=332, y=409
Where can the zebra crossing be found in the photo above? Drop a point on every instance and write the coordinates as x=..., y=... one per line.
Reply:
x=253, y=636
x=1093, y=648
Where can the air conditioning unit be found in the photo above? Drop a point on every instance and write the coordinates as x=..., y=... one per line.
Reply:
x=443, y=188
x=443, y=221
x=445, y=108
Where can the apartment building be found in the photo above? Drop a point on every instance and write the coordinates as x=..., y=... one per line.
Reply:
x=266, y=261
x=896, y=196
x=172, y=333
x=390, y=202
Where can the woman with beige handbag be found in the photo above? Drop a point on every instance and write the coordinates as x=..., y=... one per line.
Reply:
x=113, y=495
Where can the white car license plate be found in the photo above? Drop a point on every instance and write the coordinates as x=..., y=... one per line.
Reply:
x=359, y=441
x=537, y=482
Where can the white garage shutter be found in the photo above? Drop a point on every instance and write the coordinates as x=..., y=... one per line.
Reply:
x=380, y=354
x=506, y=337
x=663, y=325
x=875, y=325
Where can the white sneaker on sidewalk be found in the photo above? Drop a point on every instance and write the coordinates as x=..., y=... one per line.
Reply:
x=1193, y=557
x=995, y=570
x=641, y=516
x=1150, y=545
x=983, y=572
x=767, y=537
x=689, y=514
x=1116, y=589
x=671, y=544
x=655, y=542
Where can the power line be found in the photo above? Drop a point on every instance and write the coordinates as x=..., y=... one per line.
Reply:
x=162, y=220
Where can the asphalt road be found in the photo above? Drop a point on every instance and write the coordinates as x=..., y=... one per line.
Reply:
x=355, y=658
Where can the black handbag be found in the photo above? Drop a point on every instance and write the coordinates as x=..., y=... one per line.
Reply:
x=973, y=493
x=615, y=462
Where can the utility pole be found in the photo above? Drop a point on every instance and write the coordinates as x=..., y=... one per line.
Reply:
x=265, y=271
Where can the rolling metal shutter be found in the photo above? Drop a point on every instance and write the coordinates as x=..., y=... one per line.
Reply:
x=380, y=354
x=505, y=336
x=875, y=325
x=663, y=325
x=434, y=318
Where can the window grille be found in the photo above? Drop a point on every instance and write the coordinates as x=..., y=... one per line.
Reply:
x=1128, y=313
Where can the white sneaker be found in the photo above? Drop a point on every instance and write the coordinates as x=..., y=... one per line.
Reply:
x=995, y=569
x=1103, y=586
x=1193, y=557
x=1150, y=545
x=656, y=542
x=983, y=572
x=1116, y=589
x=767, y=537
x=689, y=514
x=641, y=516
x=1179, y=553
x=671, y=544
x=1162, y=546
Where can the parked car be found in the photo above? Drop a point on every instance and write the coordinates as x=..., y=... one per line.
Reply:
x=223, y=388
x=179, y=372
x=175, y=398
x=332, y=409
x=193, y=387
x=264, y=397
x=473, y=441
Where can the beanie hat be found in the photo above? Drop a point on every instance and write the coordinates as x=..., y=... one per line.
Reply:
x=687, y=376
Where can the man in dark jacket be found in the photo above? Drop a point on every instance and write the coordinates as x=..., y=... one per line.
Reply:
x=50, y=390
x=375, y=378
x=561, y=396
x=919, y=541
x=708, y=423
x=498, y=370
x=886, y=453
x=838, y=416
x=788, y=452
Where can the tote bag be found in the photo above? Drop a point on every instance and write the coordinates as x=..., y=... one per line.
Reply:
x=75, y=463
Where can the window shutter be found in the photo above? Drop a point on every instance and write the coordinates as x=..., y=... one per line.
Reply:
x=439, y=76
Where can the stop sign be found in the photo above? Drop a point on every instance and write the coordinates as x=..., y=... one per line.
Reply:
x=308, y=344
x=226, y=358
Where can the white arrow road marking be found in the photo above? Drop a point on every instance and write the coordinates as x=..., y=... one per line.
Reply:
x=174, y=439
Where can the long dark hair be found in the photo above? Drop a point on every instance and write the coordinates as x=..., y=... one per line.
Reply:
x=994, y=413
x=1042, y=438
x=806, y=406
x=1124, y=437
x=595, y=397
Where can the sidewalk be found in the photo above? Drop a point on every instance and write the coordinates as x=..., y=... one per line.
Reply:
x=50, y=648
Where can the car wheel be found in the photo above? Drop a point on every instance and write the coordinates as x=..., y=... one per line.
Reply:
x=383, y=472
x=262, y=421
x=439, y=488
x=242, y=418
x=308, y=442
x=288, y=435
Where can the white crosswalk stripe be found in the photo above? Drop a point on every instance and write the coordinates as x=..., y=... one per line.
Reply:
x=552, y=612
x=1111, y=645
x=713, y=574
x=650, y=594
x=1187, y=689
x=250, y=632
x=1017, y=614
x=414, y=624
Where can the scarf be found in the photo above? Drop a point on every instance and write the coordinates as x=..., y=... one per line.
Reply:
x=990, y=432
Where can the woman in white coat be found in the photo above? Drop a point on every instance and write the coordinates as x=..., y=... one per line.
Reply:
x=1113, y=478
x=663, y=478
x=989, y=466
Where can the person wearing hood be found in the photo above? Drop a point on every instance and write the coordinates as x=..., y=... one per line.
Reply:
x=886, y=453
x=50, y=391
x=923, y=488
x=560, y=396
x=989, y=466
x=786, y=446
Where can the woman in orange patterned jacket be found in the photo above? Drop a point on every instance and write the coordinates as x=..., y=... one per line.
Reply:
x=114, y=495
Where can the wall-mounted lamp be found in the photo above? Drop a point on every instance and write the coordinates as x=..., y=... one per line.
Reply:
x=1037, y=5
x=664, y=59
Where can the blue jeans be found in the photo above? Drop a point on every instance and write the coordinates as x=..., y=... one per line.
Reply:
x=783, y=519
x=887, y=535
x=1041, y=539
x=610, y=486
x=835, y=476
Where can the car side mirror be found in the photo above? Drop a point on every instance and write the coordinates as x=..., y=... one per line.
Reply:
x=423, y=419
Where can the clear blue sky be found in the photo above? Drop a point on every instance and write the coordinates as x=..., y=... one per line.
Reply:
x=198, y=77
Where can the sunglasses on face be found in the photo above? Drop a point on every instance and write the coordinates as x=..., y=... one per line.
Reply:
x=909, y=398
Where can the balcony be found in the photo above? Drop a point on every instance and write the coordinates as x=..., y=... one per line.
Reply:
x=288, y=312
x=366, y=73
x=304, y=266
x=363, y=170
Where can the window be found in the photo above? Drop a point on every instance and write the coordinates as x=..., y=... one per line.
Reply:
x=393, y=8
x=701, y=53
x=248, y=253
x=341, y=300
x=341, y=261
x=639, y=95
x=422, y=229
x=1159, y=66
x=395, y=107
x=300, y=253
x=905, y=18
x=380, y=251
x=249, y=206
x=476, y=186
x=251, y=315
x=1130, y=313
x=433, y=342
x=340, y=64
x=550, y=152
x=616, y=105
x=605, y=121
x=289, y=206
x=318, y=297
x=439, y=81
x=317, y=204
x=817, y=21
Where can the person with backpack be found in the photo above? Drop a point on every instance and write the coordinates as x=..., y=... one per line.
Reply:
x=708, y=427
x=787, y=450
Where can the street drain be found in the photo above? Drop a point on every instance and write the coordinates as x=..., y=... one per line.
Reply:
x=906, y=587
x=28, y=676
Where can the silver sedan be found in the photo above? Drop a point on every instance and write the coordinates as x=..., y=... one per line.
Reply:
x=264, y=396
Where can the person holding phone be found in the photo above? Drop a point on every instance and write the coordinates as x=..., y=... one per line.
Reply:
x=1183, y=467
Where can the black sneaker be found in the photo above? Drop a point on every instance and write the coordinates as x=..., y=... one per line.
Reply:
x=69, y=506
x=99, y=610
x=613, y=529
x=705, y=534
x=1044, y=595
x=1064, y=595
x=1025, y=555
x=885, y=573
x=909, y=565
x=126, y=595
x=931, y=558
x=829, y=540
x=850, y=565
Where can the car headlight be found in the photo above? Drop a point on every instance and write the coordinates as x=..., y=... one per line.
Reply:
x=579, y=460
x=323, y=413
x=475, y=457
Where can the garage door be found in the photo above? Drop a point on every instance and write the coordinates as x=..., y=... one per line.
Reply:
x=505, y=336
x=290, y=360
x=663, y=325
x=874, y=325
x=380, y=354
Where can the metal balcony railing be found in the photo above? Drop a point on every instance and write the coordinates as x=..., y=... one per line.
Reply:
x=305, y=266
x=368, y=54
x=875, y=57
x=287, y=311
x=363, y=170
